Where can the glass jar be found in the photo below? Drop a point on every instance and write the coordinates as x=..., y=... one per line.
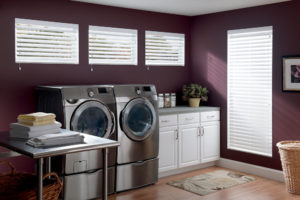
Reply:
x=167, y=100
x=160, y=100
x=173, y=99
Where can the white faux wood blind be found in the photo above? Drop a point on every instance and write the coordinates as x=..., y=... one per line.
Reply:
x=250, y=90
x=164, y=48
x=115, y=46
x=39, y=41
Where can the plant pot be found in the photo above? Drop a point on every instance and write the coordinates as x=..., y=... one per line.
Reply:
x=194, y=102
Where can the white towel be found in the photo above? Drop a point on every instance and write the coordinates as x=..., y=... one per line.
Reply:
x=17, y=133
x=22, y=127
x=56, y=140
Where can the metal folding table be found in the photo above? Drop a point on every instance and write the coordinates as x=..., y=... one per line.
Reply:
x=39, y=154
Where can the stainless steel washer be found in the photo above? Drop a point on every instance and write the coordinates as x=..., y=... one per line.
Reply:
x=87, y=109
x=138, y=134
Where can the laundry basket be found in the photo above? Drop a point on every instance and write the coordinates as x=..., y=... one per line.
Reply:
x=22, y=186
x=290, y=160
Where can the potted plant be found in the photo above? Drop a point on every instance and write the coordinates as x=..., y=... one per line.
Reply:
x=194, y=93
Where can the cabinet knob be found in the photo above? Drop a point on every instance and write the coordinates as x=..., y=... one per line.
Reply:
x=164, y=120
x=177, y=134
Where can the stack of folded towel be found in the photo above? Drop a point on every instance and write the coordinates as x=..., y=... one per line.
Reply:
x=43, y=130
x=49, y=140
x=37, y=119
x=34, y=125
x=24, y=131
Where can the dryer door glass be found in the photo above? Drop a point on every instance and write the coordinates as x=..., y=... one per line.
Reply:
x=138, y=119
x=92, y=117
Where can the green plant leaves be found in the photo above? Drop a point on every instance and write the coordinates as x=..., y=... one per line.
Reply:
x=194, y=91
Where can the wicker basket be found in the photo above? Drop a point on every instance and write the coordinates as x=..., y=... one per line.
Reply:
x=290, y=161
x=22, y=186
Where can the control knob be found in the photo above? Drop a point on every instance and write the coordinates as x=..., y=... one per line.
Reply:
x=138, y=91
x=91, y=94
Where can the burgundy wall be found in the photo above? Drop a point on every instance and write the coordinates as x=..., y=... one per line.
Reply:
x=206, y=54
x=209, y=58
x=17, y=87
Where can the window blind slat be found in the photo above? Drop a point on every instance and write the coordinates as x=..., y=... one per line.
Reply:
x=249, y=102
x=163, y=48
x=45, y=42
x=109, y=45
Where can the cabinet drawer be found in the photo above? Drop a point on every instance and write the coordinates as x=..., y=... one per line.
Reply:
x=167, y=120
x=210, y=116
x=188, y=118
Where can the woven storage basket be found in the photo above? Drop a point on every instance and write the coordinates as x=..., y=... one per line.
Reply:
x=290, y=161
x=23, y=186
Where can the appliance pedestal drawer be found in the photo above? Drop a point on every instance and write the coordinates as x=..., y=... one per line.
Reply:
x=87, y=185
x=137, y=174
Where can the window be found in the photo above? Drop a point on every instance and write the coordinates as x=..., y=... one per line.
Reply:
x=112, y=46
x=45, y=42
x=164, y=48
x=249, y=79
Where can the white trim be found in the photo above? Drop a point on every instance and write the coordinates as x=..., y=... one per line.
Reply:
x=186, y=169
x=168, y=34
x=46, y=23
x=112, y=29
x=265, y=172
x=247, y=30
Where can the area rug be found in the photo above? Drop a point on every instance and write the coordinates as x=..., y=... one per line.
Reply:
x=211, y=182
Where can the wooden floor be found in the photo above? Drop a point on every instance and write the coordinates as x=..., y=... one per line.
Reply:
x=260, y=189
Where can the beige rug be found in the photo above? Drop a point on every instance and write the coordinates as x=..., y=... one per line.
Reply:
x=211, y=182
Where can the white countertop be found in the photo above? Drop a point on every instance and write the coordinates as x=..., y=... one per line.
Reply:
x=186, y=109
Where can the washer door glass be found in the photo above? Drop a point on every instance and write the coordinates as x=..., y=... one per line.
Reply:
x=138, y=119
x=94, y=118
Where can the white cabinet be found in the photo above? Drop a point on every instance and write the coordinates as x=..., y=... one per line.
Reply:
x=188, y=118
x=167, y=120
x=188, y=139
x=189, y=145
x=168, y=143
x=210, y=141
x=168, y=150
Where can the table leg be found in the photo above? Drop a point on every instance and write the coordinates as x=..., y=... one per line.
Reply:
x=48, y=165
x=40, y=178
x=104, y=183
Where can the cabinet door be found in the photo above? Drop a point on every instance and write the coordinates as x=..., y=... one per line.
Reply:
x=189, y=145
x=168, y=144
x=210, y=141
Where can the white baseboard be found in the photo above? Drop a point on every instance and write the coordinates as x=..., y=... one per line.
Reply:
x=273, y=174
x=186, y=169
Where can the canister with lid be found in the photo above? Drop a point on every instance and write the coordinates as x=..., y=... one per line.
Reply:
x=160, y=100
x=173, y=99
x=167, y=100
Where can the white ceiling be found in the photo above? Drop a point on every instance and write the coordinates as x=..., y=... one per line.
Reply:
x=184, y=7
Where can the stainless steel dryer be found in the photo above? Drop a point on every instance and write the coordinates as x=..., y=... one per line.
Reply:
x=87, y=109
x=138, y=134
